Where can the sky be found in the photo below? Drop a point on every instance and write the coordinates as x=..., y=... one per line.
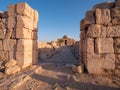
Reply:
x=57, y=17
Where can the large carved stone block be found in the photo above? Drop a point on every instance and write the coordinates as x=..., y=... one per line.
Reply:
x=24, y=59
x=104, y=45
x=3, y=55
x=103, y=16
x=23, y=33
x=96, y=31
x=1, y=45
x=11, y=10
x=24, y=22
x=24, y=45
x=11, y=22
x=115, y=12
x=9, y=44
x=9, y=33
x=113, y=31
x=108, y=61
x=117, y=45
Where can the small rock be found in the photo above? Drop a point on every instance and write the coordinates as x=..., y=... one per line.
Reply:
x=12, y=70
x=11, y=63
x=78, y=68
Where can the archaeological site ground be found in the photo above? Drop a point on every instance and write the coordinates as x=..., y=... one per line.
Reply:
x=92, y=63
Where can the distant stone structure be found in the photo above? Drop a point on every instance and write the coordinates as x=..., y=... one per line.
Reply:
x=100, y=39
x=18, y=35
x=65, y=41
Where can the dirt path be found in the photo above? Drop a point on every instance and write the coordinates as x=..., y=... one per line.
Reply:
x=65, y=56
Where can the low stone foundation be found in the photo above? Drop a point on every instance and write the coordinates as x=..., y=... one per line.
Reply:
x=100, y=39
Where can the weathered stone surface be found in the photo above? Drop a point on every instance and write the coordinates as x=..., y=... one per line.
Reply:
x=35, y=57
x=35, y=26
x=11, y=63
x=12, y=70
x=24, y=45
x=36, y=16
x=25, y=9
x=108, y=61
x=117, y=3
x=24, y=59
x=11, y=22
x=115, y=13
x=103, y=16
x=78, y=68
x=1, y=45
x=117, y=45
x=23, y=33
x=94, y=65
x=116, y=21
x=3, y=55
x=113, y=31
x=96, y=31
x=9, y=44
x=2, y=33
x=11, y=10
x=34, y=35
x=90, y=45
x=105, y=5
x=9, y=33
x=24, y=22
x=104, y=45
x=89, y=18
x=12, y=54
x=34, y=45
x=82, y=34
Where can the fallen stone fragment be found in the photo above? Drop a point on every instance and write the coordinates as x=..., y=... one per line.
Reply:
x=11, y=63
x=78, y=68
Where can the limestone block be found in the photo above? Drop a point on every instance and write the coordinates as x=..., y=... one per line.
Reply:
x=9, y=44
x=103, y=16
x=11, y=63
x=12, y=55
x=24, y=22
x=11, y=22
x=2, y=33
x=34, y=45
x=23, y=33
x=90, y=45
x=83, y=46
x=104, y=45
x=117, y=45
x=11, y=10
x=36, y=16
x=1, y=45
x=108, y=61
x=9, y=33
x=24, y=9
x=94, y=65
x=104, y=5
x=96, y=31
x=34, y=35
x=117, y=3
x=12, y=70
x=35, y=26
x=82, y=34
x=115, y=12
x=113, y=31
x=24, y=45
x=24, y=59
x=89, y=17
x=3, y=55
x=116, y=21
x=78, y=68
x=35, y=57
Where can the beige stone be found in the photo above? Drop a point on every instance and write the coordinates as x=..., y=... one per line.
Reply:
x=35, y=57
x=24, y=45
x=24, y=59
x=34, y=35
x=12, y=54
x=3, y=55
x=115, y=12
x=36, y=16
x=11, y=22
x=117, y=45
x=12, y=70
x=1, y=45
x=24, y=22
x=90, y=45
x=34, y=45
x=103, y=16
x=2, y=33
x=11, y=63
x=9, y=44
x=116, y=21
x=96, y=31
x=94, y=65
x=78, y=68
x=11, y=10
x=23, y=33
x=113, y=31
x=9, y=33
x=25, y=9
x=35, y=26
x=89, y=17
x=117, y=3
x=104, y=45
x=108, y=61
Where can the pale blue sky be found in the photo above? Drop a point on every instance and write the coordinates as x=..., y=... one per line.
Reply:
x=57, y=17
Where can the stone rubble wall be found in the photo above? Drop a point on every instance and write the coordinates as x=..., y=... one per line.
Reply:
x=100, y=39
x=18, y=35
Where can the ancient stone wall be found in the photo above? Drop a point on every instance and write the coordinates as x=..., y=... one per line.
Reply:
x=100, y=39
x=18, y=35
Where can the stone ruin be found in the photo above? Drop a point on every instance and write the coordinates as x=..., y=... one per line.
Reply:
x=100, y=39
x=18, y=35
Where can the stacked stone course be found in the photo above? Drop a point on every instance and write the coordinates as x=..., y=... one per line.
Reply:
x=100, y=39
x=18, y=35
